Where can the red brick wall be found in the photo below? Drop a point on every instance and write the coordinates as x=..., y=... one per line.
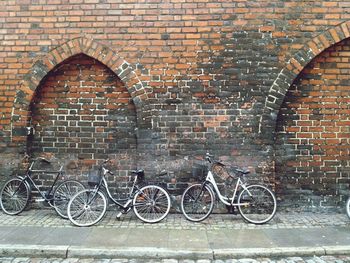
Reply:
x=313, y=132
x=82, y=112
x=201, y=74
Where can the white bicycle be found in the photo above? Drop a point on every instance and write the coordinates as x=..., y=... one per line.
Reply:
x=348, y=207
x=256, y=203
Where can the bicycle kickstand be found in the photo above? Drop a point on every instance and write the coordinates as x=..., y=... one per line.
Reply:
x=119, y=216
x=123, y=212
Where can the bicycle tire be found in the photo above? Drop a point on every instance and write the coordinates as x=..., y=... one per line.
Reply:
x=260, y=204
x=197, y=202
x=14, y=196
x=63, y=193
x=87, y=208
x=348, y=207
x=151, y=204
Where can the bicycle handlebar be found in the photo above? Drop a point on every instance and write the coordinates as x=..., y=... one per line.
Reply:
x=43, y=160
x=106, y=170
x=208, y=157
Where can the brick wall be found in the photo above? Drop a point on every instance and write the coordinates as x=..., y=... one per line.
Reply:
x=202, y=75
x=313, y=133
x=81, y=112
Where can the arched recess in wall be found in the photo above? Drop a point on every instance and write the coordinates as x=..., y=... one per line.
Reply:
x=81, y=110
x=294, y=66
x=42, y=66
x=307, y=111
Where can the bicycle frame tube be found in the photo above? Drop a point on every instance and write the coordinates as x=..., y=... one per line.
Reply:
x=55, y=181
x=23, y=181
x=210, y=179
x=30, y=179
x=128, y=200
x=227, y=201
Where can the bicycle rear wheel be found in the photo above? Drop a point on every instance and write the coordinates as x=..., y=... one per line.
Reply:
x=257, y=204
x=14, y=196
x=151, y=204
x=348, y=207
x=87, y=207
x=197, y=202
x=63, y=193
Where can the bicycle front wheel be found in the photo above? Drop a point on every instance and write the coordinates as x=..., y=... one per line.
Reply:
x=197, y=202
x=14, y=196
x=348, y=207
x=63, y=193
x=151, y=204
x=87, y=207
x=257, y=204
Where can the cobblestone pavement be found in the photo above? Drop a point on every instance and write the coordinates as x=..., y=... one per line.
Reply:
x=48, y=218
x=322, y=259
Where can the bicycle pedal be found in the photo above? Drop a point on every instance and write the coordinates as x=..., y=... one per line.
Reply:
x=125, y=211
x=231, y=209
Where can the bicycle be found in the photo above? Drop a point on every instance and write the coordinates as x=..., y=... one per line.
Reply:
x=256, y=203
x=17, y=191
x=150, y=203
x=348, y=207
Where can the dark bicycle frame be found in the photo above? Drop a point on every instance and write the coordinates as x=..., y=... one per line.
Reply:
x=27, y=179
x=139, y=174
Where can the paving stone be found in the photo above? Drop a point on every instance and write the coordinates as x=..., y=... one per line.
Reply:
x=48, y=218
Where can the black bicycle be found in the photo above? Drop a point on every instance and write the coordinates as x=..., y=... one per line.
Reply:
x=151, y=203
x=17, y=191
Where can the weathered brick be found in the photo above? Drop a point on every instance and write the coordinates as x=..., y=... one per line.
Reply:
x=317, y=135
x=196, y=60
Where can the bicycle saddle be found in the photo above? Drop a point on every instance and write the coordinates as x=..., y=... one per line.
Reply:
x=140, y=174
x=243, y=171
x=140, y=171
x=162, y=173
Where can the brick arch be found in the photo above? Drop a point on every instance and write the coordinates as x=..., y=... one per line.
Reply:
x=293, y=67
x=43, y=65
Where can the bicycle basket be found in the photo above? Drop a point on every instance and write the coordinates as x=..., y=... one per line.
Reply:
x=221, y=171
x=199, y=171
x=94, y=178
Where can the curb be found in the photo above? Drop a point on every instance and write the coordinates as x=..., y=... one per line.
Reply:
x=268, y=252
x=33, y=250
x=138, y=252
x=164, y=253
x=337, y=250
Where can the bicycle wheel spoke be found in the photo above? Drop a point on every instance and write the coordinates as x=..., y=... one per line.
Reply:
x=87, y=207
x=257, y=204
x=14, y=196
x=197, y=202
x=63, y=193
x=151, y=204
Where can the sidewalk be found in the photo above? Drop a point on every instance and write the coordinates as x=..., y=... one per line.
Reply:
x=42, y=233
